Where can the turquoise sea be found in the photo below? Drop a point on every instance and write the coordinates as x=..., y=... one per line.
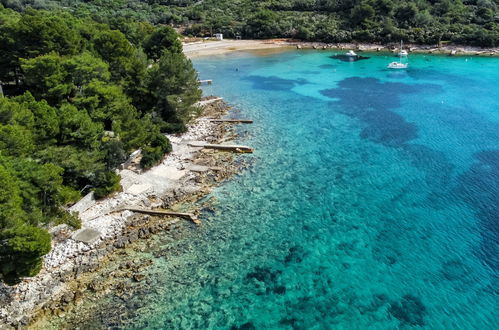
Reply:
x=371, y=201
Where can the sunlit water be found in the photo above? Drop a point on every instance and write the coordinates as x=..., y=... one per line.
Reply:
x=371, y=200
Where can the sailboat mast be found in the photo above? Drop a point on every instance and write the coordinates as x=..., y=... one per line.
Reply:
x=400, y=52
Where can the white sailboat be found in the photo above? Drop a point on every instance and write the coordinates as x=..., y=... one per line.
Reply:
x=399, y=64
x=350, y=53
x=402, y=51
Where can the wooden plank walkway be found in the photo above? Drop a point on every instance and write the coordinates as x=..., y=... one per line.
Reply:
x=242, y=121
x=188, y=216
x=225, y=147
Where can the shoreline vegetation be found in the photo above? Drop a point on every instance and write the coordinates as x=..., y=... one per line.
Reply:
x=200, y=48
x=78, y=98
x=182, y=178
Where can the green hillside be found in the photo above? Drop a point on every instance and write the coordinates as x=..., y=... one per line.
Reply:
x=471, y=22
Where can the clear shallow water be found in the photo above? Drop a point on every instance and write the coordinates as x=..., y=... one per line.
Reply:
x=371, y=201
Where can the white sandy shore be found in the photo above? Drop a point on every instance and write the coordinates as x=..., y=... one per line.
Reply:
x=210, y=47
x=204, y=48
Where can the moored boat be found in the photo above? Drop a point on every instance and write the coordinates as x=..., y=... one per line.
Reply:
x=402, y=51
x=351, y=53
x=398, y=65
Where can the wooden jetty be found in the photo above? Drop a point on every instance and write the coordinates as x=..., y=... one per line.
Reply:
x=188, y=216
x=242, y=121
x=224, y=147
x=205, y=82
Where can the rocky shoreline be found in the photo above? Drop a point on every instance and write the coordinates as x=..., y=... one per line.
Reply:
x=451, y=50
x=202, y=48
x=183, y=177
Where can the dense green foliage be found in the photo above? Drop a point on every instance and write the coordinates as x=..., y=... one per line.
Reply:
x=473, y=22
x=79, y=97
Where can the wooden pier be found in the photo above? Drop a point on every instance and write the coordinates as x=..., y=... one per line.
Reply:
x=205, y=82
x=224, y=147
x=188, y=216
x=236, y=121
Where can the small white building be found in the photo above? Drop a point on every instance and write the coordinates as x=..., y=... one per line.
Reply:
x=219, y=36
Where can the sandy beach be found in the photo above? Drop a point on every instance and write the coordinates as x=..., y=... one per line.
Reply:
x=205, y=48
x=212, y=47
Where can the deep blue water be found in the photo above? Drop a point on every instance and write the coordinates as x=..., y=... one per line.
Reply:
x=371, y=201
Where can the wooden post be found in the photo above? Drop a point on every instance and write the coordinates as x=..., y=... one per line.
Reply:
x=242, y=121
x=224, y=147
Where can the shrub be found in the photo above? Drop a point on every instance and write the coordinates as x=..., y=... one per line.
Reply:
x=21, y=251
x=70, y=219
x=172, y=128
x=114, y=153
x=153, y=154
x=106, y=183
x=150, y=157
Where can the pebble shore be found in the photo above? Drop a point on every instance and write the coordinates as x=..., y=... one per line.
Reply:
x=163, y=186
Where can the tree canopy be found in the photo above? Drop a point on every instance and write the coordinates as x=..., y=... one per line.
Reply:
x=470, y=22
x=80, y=96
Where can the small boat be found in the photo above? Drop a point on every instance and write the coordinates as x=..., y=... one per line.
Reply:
x=402, y=51
x=398, y=65
x=351, y=53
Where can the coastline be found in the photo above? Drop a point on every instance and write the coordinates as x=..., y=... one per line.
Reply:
x=184, y=176
x=189, y=278
x=207, y=48
x=63, y=279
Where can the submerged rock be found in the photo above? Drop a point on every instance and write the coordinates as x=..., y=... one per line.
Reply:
x=409, y=310
x=263, y=274
x=245, y=326
x=139, y=277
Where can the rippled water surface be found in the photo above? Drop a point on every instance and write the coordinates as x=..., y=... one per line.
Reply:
x=371, y=201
